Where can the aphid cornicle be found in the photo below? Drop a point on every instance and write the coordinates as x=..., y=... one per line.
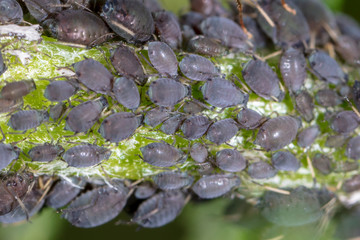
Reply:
x=168, y=28
x=230, y=160
x=172, y=180
x=26, y=119
x=285, y=161
x=59, y=91
x=353, y=148
x=249, y=119
x=197, y=68
x=261, y=170
x=17, y=90
x=163, y=58
x=126, y=92
x=194, y=127
x=45, y=153
x=130, y=19
x=86, y=155
x=222, y=131
x=162, y=154
x=10, y=12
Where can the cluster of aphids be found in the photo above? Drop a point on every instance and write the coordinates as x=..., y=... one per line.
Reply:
x=300, y=28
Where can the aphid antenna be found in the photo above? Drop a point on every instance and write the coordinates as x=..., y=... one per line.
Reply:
x=237, y=79
x=100, y=40
x=311, y=168
x=262, y=12
x=21, y=204
x=352, y=106
x=241, y=19
x=288, y=8
x=47, y=188
x=271, y=55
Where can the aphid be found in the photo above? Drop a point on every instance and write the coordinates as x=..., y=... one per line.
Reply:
x=307, y=136
x=144, y=190
x=86, y=155
x=126, y=92
x=249, y=119
x=163, y=58
x=261, y=170
x=293, y=69
x=45, y=153
x=194, y=127
x=348, y=26
x=208, y=7
x=97, y=206
x=285, y=161
x=322, y=163
x=277, y=132
x=10, y=12
x=355, y=90
x=7, y=105
x=262, y=80
x=304, y=104
x=230, y=160
x=167, y=92
x=336, y=141
x=94, y=75
x=199, y=152
x=172, y=125
x=213, y=186
x=126, y=63
x=222, y=93
x=346, y=166
x=63, y=192
x=352, y=184
x=345, y=122
x=8, y=153
x=348, y=49
x=353, y=148
x=191, y=107
x=82, y=117
x=39, y=9
x=56, y=111
x=78, y=27
x=259, y=39
x=222, y=131
x=119, y=126
x=59, y=91
x=227, y=31
x=192, y=20
x=168, y=28
x=17, y=90
x=327, y=98
x=172, y=180
x=130, y=19
x=162, y=154
x=156, y=116
x=26, y=119
x=326, y=68
x=197, y=68
x=2, y=64
x=205, y=46
x=152, y=5
x=160, y=209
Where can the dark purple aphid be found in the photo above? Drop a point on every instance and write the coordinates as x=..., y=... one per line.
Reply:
x=327, y=98
x=97, y=206
x=222, y=93
x=304, y=104
x=8, y=153
x=348, y=49
x=39, y=9
x=353, y=148
x=168, y=28
x=10, y=12
x=156, y=116
x=277, y=132
x=208, y=7
x=322, y=163
x=163, y=58
x=355, y=90
x=249, y=119
x=59, y=91
x=293, y=69
x=214, y=186
x=45, y=153
x=261, y=170
x=192, y=107
x=222, y=131
x=7, y=105
x=2, y=64
x=82, y=117
x=86, y=155
x=326, y=68
x=194, y=127
x=199, y=152
x=26, y=119
x=56, y=111
x=162, y=154
x=63, y=192
x=205, y=46
x=126, y=92
x=17, y=90
x=167, y=92
x=307, y=136
x=285, y=161
x=160, y=209
x=172, y=125
x=345, y=122
x=78, y=27
x=198, y=68
x=119, y=126
x=130, y=19
x=172, y=180
x=126, y=63
x=227, y=31
x=230, y=160
x=94, y=75
x=336, y=141
x=144, y=190
x=262, y=80
x=352, y=184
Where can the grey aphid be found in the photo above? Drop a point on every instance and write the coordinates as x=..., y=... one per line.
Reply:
x=10, y=12
x=86, y=155
x=168, y=28
x=222, y=131
x=198, y=68
x=45, y=153
x=144, y=190
x=307, y=136
x=191, y=107
x=249, y=119
x=56, y=111
x=355, y=90
x=162, y=154
x=285, y=161
x=172, y=180
x=39, y=9
x=352, y=184
x=327, y=98
x=3, y=67
x=8, y=153
x=163, y=58
x=345, y=122
x=7, y=105
x=194, y=127
x=27, y=119
x=353, y=148
x=59, y=91
x=126, y=92
x=172, y=125
x=230, y=160
x=261, y=170
x=156, y=116
x=304, y=104
x=336, y=141
x=322, y=163
x=206, y=46
x=167, y=92
x=17, y=90
x=199, y=152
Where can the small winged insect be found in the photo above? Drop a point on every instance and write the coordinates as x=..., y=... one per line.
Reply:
x=322, y=163
x=97, y=206
x=156, y=116
x=249, y=119
x=222, y=93
x=304, y=104
x=194, y=127
x=17, y=90
x=213, y=186
x=144, y=190
x=126, y=92
x=85, y=155
x=160, y=209
x=327, y=98
x=285, y=161
x=262, y=80
x=45, y=153
x=199, y=152
x=206, y=46
x=222, y=131
x=162, y=154
x=59, y=91
x=261, y=170
x=345, y=122
x=198, y=68
x=10, y=12
x=172, y=125
x=352, y=184
x=353, y=148
x=230, y=160
x=168, y=28
x=172, y=180
x=24, y=120
x=307, y=136
x=163, y=58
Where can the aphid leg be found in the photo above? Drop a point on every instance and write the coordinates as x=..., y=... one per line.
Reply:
x=332, y=33
x=331, y=50
x=21, y=204
x=311, y=168
x=287, y=7
x=353, y=107
x=47, y=188
x=263, y=13
x=247, y=90
x=271, y=55
x=241, y=20
x=100, y=40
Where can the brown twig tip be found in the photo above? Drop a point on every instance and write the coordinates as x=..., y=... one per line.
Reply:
x=287, y=7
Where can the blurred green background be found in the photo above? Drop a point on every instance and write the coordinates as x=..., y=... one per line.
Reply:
x=198, y=221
